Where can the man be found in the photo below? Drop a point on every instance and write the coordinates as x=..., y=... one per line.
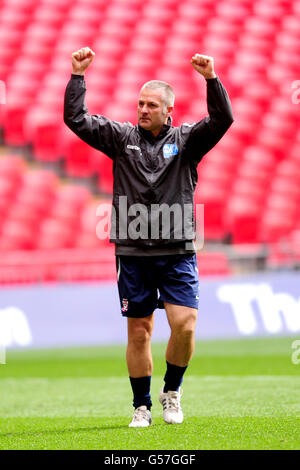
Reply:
x=155, y=173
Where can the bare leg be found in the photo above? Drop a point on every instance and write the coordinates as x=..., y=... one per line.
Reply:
x=182, y=321
x=138, y=354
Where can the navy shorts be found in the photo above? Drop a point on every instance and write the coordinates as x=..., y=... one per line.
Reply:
x=145, y=282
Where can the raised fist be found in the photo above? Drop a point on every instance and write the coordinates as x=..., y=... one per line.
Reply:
x=204, y=65
x=81, y=59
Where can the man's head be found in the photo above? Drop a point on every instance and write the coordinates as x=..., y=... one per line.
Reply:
x=155, y=105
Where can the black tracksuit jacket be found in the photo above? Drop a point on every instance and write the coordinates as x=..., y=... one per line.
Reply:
x=150, y=170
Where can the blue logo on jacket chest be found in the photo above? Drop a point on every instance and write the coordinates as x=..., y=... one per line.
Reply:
x=169, y=150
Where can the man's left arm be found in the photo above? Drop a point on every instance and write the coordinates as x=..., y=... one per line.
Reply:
x=207, y=132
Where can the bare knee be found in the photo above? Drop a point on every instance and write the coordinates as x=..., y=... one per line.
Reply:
x=186, y=329
x=139, y=331
x=184, y=323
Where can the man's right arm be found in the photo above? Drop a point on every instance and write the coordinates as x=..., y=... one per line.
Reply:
x=97, y=131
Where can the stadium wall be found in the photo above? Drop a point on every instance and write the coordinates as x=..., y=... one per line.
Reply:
x=89, y=314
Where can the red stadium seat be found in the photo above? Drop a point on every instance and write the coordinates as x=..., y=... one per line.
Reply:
x=134, y=41
x=260, y=157
x=287, y=186
x=282, y=127
x=294, y=153
x=13, y=123
x=41, y=33
x=151, y=30
x=219, y=47
x=65, y=213
x=277, y=75
x=16, y=235
x=11, y=42
x=75, y=195
x=88, y=217
x=42, y=130
x=221, y=27
x=284, y=203
x=184, y=27
x=294, y=244
x=286, y=109
x=260, y=27
x=260, y=91
x=40, y=205
x=249, y=42
x=214, y=173
x=72, y=30
x=286, y=58
x=196, y=12
x=91, y=16
x=242, y=218
x=13, y=19
x=96, y=100
x=132, y=78
x=28, y=6
x=291, y=23
x=245, y=129
x=24, y=214
x=287, y=40
x=224, y=160
x=7, y=189
x=183, y=47
x=275, y=143
x=274, y=227
x=245, y=188
x=213, y=264
x=88, y=237
x=213, y=198
x=258, y=174
x=50, y=102
x=121, y=113
x=128, y=14
x=77, y=155
x=88, y=240
x=104, y=166
x=289, y=169
x=55, y=234
x=159, y=13
x=115, y=30
x=232, y=11
x=40, y=181
x=109, y=47
x=269, y=11
x=12, y=167
x=47, y=15
x=106, y=63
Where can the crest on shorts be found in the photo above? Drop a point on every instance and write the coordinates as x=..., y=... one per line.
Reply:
x=124, y=305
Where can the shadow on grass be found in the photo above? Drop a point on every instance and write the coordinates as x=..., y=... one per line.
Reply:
x=71, y=430
x=62, y=431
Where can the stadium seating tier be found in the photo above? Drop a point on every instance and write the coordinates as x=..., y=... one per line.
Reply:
x=246, y=181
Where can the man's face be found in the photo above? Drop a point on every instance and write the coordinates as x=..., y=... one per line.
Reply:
x=152, y=110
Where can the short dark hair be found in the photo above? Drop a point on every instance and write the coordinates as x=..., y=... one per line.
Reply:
x=168, y=90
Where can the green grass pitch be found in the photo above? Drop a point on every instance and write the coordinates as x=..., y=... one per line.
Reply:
x=239, y=394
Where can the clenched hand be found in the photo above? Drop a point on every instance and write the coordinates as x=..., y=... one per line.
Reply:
x=81, y=59
x=204, y=65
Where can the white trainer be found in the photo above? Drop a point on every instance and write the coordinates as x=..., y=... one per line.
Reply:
x=141, y=418
x=171, y=406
